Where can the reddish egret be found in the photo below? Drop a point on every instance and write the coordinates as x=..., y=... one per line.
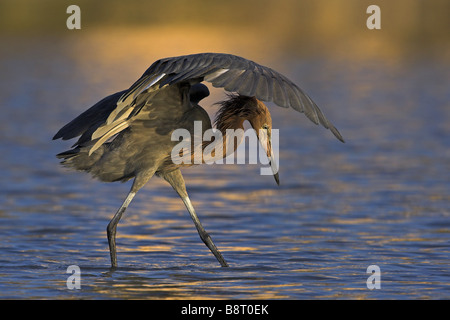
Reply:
x=127, y=135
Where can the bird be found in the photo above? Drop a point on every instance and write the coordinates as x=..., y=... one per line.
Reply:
x=127, y=135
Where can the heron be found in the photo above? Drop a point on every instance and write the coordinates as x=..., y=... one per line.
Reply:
x=127, y=135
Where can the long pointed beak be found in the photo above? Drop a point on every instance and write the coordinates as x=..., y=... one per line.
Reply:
x=273, y=163
x=266, y=143
x=274, y=168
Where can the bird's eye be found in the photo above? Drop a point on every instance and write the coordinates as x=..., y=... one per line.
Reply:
x=265, y=126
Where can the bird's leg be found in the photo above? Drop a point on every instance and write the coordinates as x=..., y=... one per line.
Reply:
x=112, y=226
x=206, y=238
x=177, y=182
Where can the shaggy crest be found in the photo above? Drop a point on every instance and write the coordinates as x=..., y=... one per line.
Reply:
x=240, y=106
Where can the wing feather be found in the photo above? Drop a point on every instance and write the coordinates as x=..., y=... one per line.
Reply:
x=223, y=80
x=262, y=88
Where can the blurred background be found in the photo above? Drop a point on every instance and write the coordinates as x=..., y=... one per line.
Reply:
x=262, y=27
x=381, y=198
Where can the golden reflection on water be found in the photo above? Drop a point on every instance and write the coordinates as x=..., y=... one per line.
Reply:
x=352, y=221
x=184, y=287
x=254, y=195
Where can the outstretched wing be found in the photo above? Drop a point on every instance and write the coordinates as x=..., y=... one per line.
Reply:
x=233, y=73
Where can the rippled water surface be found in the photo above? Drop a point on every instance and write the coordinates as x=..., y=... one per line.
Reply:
x=382, y=198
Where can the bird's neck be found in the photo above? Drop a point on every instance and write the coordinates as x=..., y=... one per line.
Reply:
x=225, y=143
x=232, y=135
x=233, y=124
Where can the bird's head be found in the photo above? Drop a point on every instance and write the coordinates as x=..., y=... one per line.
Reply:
x=239, y=108
x=261, y=122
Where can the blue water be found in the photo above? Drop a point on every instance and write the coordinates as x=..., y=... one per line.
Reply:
x=382, y=198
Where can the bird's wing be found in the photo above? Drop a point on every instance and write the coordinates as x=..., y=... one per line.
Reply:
x=234, y=74
x=90, y=120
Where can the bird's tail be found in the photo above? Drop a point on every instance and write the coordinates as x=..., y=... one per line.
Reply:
x=79, y=159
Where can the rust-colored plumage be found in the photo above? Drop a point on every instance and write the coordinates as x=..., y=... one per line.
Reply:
x=237, y=108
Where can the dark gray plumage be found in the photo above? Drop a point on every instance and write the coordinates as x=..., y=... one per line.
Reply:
x=234, y=74
x=128, y=134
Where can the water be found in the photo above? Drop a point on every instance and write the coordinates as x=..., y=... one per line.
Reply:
x=382, y=198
